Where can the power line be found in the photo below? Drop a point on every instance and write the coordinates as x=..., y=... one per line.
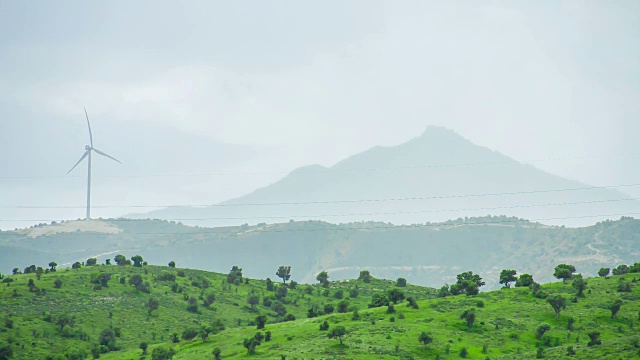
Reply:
x=337, y=228
x=325, y=201
x=354, y=214
x=331, y=169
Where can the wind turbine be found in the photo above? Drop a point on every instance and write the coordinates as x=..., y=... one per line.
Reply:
x=88, y=149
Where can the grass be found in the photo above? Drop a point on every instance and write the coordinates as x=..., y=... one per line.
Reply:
x=504, y=328
x=34, y=334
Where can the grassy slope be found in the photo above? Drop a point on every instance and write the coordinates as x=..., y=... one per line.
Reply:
x=92, y=307
x=516, y=310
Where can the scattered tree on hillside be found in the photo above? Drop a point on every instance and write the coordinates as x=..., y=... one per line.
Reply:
x=541, y=329
x=209, y=299
x=269, y=285
x=281, y=292
x=251, y=343
x=261, y=321
x=615, y=307
x=564, y=272
x=65, y=319
x=338, y=332
x=444, y=291
x=76, y=265
x=507, y=276
x=91, y=262
x=594, y=338
x=468, y=283
x=395, y=295
x=324, y=326
x=603, y=272
x=217, y=354
x=152, y=305
x=343, y=306
x=284, y=272
x=235, y=275
x=323, y=278
x=16, y=271
x=365, y=276
x=412, y=302
x=108, y=339
x=161, y=353
x=469, y=316
x=278, y=308
x=557, y=302
x=137, y=261
x=143, y=346
x=57, y=284
x=401, y=282
x=121, y=260
x=378, y=300
x=172, y=264
x=620, y=270
x=253, y=300
x=192, y=305
x=579, y=284
x=425, y=339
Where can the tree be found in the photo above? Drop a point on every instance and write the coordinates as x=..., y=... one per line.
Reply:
x=444, y=291
x=401, y=282
x=52, y=266
x=365, y=276
x=323, y=278
x=204, y=334
x=620, y=270
x=251, y=343
x=65, y=320
x=91, y=262
x=136, y=280
x=468, y=283
x=161, y=353
x=541, y=329
x=39, y=272
x=192, y=305
x=261, y=321
x=209, y=299
x=603, y=272
x=76, y=265
x=281, y=293
x=338, y=332
x=172, y=264
x=137, y=261
x=594, y=338
x=378, y=300
x=564, y=272
x=339, y=294
x=557, y=302
x=235, y=275
x=343, y=306
x=507, y=277
x=324, y=326
x=579, y=284
x=152, y=305
x=395, y=295
x=108, y=339
x=121, y=260
x=269, y=285
x=278, y=308
x=425, y=339
x=57, y=284
x=328, y=308
x=469, y=315
x=412, y=302
x=217, y=354
x=143, y=346
x=253, y=300
x=6, y=352
x=16, y=271
x=615, y=307
x=284, y=272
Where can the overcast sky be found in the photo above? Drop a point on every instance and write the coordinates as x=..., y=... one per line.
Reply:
x=267, y=86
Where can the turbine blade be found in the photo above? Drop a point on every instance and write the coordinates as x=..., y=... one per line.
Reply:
x=86, y=153
x=88, y=123
x=109, y=156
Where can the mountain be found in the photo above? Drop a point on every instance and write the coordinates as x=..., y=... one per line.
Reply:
x=434, y=177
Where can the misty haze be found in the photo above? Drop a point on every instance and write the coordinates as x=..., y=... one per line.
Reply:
x=297, y=180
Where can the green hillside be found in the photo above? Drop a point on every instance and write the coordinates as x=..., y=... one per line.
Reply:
x=69, y=322
x=36, y=312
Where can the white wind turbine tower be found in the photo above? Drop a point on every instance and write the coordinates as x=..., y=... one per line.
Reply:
x=87, y=153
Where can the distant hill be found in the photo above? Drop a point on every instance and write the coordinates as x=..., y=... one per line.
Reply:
x=434, y=177
x=428, y=254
